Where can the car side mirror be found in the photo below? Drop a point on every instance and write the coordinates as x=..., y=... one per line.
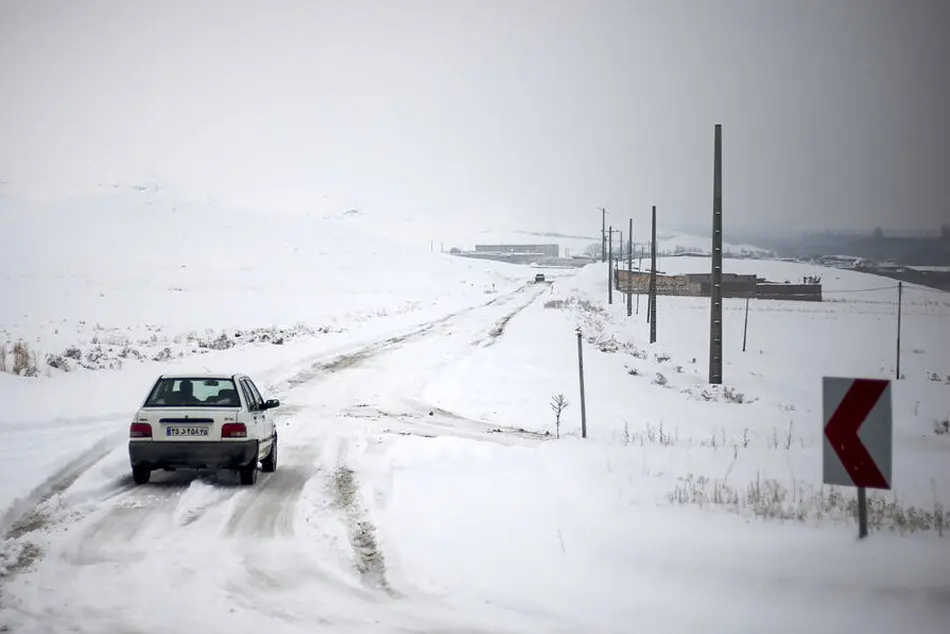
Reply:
x=271, y=403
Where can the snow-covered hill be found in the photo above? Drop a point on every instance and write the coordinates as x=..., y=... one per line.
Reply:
x=425, y=232
x=135, y=270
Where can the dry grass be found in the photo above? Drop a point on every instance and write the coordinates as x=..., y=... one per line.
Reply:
x=771, y=499
x=649, y=434
x=24, y=361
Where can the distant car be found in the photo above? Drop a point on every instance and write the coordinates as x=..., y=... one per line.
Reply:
x=539, y=278
x=203, y=422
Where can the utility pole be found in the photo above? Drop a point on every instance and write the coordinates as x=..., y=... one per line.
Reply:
x=617, y=261
x=630, y=269
x=580, y=367
x=715, y=282
x=653, y=281
x=900, y=297
x=745, y=325
x=639, y=277
x=610, y=265
x=650, y=289
x=603, y=234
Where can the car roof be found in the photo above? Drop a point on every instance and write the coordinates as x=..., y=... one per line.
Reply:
x=201, y=376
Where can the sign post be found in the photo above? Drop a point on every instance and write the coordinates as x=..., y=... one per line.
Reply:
x=858, y=437
x=580, y=367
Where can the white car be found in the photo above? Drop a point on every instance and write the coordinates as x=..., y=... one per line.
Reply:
x=203, y=422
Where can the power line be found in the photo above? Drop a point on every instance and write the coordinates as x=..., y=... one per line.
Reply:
x=860, y=290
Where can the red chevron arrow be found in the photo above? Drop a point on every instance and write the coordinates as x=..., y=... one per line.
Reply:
x=842, y=432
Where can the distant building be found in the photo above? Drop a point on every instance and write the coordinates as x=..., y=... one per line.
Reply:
x=541, y=250
x=733, y=286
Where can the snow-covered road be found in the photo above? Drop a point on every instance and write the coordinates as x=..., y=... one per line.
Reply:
x=417, y=492
x=296, y=553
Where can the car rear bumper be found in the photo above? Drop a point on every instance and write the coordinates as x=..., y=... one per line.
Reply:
x=193, y=454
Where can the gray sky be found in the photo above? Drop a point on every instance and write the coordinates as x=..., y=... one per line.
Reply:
x=835, y=113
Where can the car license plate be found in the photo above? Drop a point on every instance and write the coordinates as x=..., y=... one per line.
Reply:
x=181, y=430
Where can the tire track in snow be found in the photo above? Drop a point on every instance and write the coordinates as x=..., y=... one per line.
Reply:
x=120, y=525
x=353, y=358
x=269, y=509
x=347, y=360
x=31, y=514
x=361, y=533
x=25, y=515
x=370, y=562
x=499, y=328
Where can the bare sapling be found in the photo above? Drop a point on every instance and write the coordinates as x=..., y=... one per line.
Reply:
x=558, y=405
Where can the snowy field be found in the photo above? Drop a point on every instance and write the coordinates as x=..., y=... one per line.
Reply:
x=423, y=484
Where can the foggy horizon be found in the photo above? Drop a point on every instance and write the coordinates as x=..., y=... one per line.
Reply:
x=532, y=113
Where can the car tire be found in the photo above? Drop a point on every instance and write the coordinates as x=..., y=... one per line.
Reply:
x=269, y=463
x=248, y=474
x=141, y=475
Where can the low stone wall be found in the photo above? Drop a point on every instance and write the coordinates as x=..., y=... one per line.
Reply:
x=732, y=287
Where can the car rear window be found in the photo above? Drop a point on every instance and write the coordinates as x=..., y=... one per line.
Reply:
x=189, y=392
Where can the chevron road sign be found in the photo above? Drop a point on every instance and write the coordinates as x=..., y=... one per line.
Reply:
x=858, y=437
x=858, y=431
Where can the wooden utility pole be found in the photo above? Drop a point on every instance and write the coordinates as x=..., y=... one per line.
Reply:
x=715, y=282
x=603, y=234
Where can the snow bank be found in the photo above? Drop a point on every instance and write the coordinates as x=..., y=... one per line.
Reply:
x=763, y=427
x=570, y=534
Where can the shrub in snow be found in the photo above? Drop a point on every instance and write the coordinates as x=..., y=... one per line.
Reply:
x=717, y=393
x=164, y=355
x=607, y=345
x=58, y=362
x=942, y=426
x=24, y=362
x=659, y=379
x=3, y=357
x=732, y=396
x=129, y=351
x=637, y=352
x=221, y=343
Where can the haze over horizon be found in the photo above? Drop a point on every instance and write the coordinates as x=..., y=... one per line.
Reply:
x=530, y=112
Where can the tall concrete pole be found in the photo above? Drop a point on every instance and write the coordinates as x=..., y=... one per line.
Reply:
x=630, y=269
x=610, y=265
x=653, y=281
x=715, y=286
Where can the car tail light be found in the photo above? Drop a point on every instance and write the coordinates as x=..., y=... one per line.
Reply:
x=233, y=430
x=140, y=430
